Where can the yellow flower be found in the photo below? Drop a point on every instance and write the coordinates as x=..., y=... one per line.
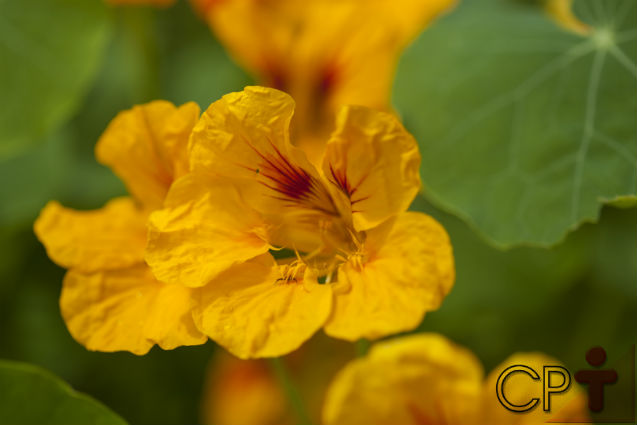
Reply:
x=325, y=53
x=243, y=392
x=250, y=191
x=562, y=12
x=249, y=392
x=425, y=379
x=110, y=300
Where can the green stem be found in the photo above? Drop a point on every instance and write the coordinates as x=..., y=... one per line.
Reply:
x=292, y=392
x=139, y=25
x=362, y=347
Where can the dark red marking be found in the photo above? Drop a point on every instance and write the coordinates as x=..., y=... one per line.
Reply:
x=342, y=182
x=291, y=181
x=328, y=80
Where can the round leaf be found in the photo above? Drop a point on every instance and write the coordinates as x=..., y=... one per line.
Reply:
x=31, y=396
x=50, y=51
x=526, y=129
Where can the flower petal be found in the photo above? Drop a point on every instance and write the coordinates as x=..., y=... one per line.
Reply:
x=252, y=311
x=146, y=147
x=206, y=227
x=366, y=62
x=236, y=132
x=127, y=310
x=109, y=238
x=245, y=135
x=568, y=407
x=407, y=269
x=374, y=162
x=416, y=380
x=562, y=12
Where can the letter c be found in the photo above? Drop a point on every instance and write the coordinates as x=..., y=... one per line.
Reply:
x=519, y=408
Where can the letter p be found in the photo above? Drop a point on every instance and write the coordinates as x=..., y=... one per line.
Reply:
x=549, y=388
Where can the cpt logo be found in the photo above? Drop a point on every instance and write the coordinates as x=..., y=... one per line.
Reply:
x=555, y=380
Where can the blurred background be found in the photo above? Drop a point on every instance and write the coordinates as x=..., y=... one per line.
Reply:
x=560, y=301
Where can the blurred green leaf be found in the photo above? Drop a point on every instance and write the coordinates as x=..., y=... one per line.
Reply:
x=560, y=300
x=525, y=129
x=32, y=396
x=194, y=66
x=50, y=51
x=52, y=170
x=35, y=176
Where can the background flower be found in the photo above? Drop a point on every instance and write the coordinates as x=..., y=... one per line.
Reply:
x=324, y=53
x=424, y=379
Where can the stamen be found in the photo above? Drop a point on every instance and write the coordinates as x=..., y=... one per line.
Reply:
x=293, y=272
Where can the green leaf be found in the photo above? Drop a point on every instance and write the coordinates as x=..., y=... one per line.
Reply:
x=629, y=201
x=525, y=129
x=195, y=67
x=53, y=170
x=556, y=300
x=50, y=50
x=32, y=396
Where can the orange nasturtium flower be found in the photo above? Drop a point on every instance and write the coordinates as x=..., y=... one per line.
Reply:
x=324, y=53
x=110, y=300
x=345, y=225
x=425, y=379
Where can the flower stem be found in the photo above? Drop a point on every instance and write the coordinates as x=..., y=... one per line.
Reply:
x=139, y=27
x=362, y=347
x=294, y=396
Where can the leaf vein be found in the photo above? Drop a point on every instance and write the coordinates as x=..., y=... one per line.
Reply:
x=589, y=129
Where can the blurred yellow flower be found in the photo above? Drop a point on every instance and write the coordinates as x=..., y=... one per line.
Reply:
x=249, y=392
x=243, y=392
x=250, y=191
x=562, y=12
x=425, y=379
x=110, y=300
x=325, y=53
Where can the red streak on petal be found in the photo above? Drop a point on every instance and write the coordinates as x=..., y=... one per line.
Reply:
x=293, y=183
x=339, y=178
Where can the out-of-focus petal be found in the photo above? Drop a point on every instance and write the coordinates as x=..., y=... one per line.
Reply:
x=324, y=53
x=519, y=389
x=415, y=380
x=562, y=12
x=243, y=392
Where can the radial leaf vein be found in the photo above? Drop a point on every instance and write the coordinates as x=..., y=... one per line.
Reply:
x=589, y=130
